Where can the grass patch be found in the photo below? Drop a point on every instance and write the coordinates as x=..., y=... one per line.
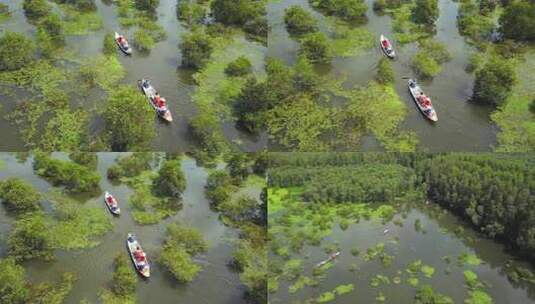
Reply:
x=103, y=71
x=79, y=23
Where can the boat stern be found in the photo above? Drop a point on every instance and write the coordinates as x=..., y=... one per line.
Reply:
x=167, y=116
x=433, y=116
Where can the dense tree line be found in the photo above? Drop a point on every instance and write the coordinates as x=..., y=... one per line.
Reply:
x=494, y=193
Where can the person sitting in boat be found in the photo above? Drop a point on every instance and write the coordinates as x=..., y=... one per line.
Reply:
x=139, y=254
x=159, y=101
x=146, y=84
x=386, y=44
x=110, y=200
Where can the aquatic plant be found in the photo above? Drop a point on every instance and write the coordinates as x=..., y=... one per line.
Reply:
x=143, y=41
x=108, y=45
x=326, y=297
x=351, y=10
x=16, y=51
x=130, y=166
x=19, y=196
x=102, y=71
x=299, y=21
x=190, y=12
x=13, y=286
x=316, y=48
x=425, y=12
x=74, y=177
x=426, y=294
x=128, y=118
x=123, y=285
x=35, y=9
x=239, y=67
x=494, y=81
x=30, y=238
x=80, y=22
x=196, y=48
x=179, y=246
x=518, y=21
x=468, y=259
x=87, y=159
x=170, y=181
x=471, y=279
x=478, y=297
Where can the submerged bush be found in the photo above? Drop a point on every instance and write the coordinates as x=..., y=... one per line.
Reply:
x=348, y=10
x=190, y=13
x=239, y=67
x=18, y=195
x=130, y=166
x=170, y=181
x=13, y=285
x=30, y=238
x=109, y=46
x=16, y=51
x=148, y=5
x=494, y=81
x=143, y=40
x=196, y=49
x=74, y=177
x=299, y=21
x=316, y=48
x=129, y=120
x=385, y=72
x=36, y=9
x=124, y=278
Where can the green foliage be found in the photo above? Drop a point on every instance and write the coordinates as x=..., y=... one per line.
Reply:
x=148, y=5
x=425, y=65
x=316, y=48
x=239, y=67
x=87, y=159
x=35, y=9
x=518, y=21
x=108, y=45
x=425, y=12
x=190, y=12
x=143, y=41
x=196, y=49
x=13, y=285
x=299, y=21
x=53, y=293
x=494, y=81
x=19, y=196
x=124, y=281
x=237, y=12
x=66, y=130
x=180, y=245
x=130, y=166
x=426, y=295
x=4, y=12
x=170, y=181
x=129, y=120
x=16, y=51
x=54, y=27
x=30, y=238
x=486, y=187
x=472, y=23
x=385, y=72
x=250, y=104
x=218, y=187
x=102, y=71
x=349, y=10
x=74, y=177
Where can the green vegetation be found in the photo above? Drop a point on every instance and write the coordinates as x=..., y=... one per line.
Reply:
x=239, y=67
x=170, y=181
x=124, y=283
x=425, y=12
x=15, y=289
x=190, y=12
x=19, y=196
x=35, y=9
x=385, y=72
x=16, y=51
x=299, y=21
x=87, y=159
x=348, y=10
x=143, y=41
x=180, y=245
x=72, y=176
x=196, y=49
x=129, y=120
x=148, y=5
x=506, y=183
x=130, y=166
x=431, y=55
x=518, y=21
x=30, y=238
x=315, y=47
x=4, y=12
x=494, y=81
x=246, y=14
x=426, y=295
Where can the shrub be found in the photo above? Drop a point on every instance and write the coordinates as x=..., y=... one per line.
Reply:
x=190, y=13
x=385, y=72
x=348, y=10
x=425, y=12
x=124, y=278
x=170, y=181
x=239, y=67
x=518, y=21
x=494, y=81
x=143, y=40
x=109, y=47
x=147, y=5
x=13, y=285
x=299, y=21
x=196, y=49
x=19, y=196
x=315, y=47
x=35, y=9
x=16, y=51
x=30, y=238
x=425, y=65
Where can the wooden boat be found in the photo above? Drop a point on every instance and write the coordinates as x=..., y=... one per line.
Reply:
x=331, y=257
x=386, y=46
x=153, y=96
x=123, y=44
x=141, y=262
x=423, y=102
x=111, y=202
